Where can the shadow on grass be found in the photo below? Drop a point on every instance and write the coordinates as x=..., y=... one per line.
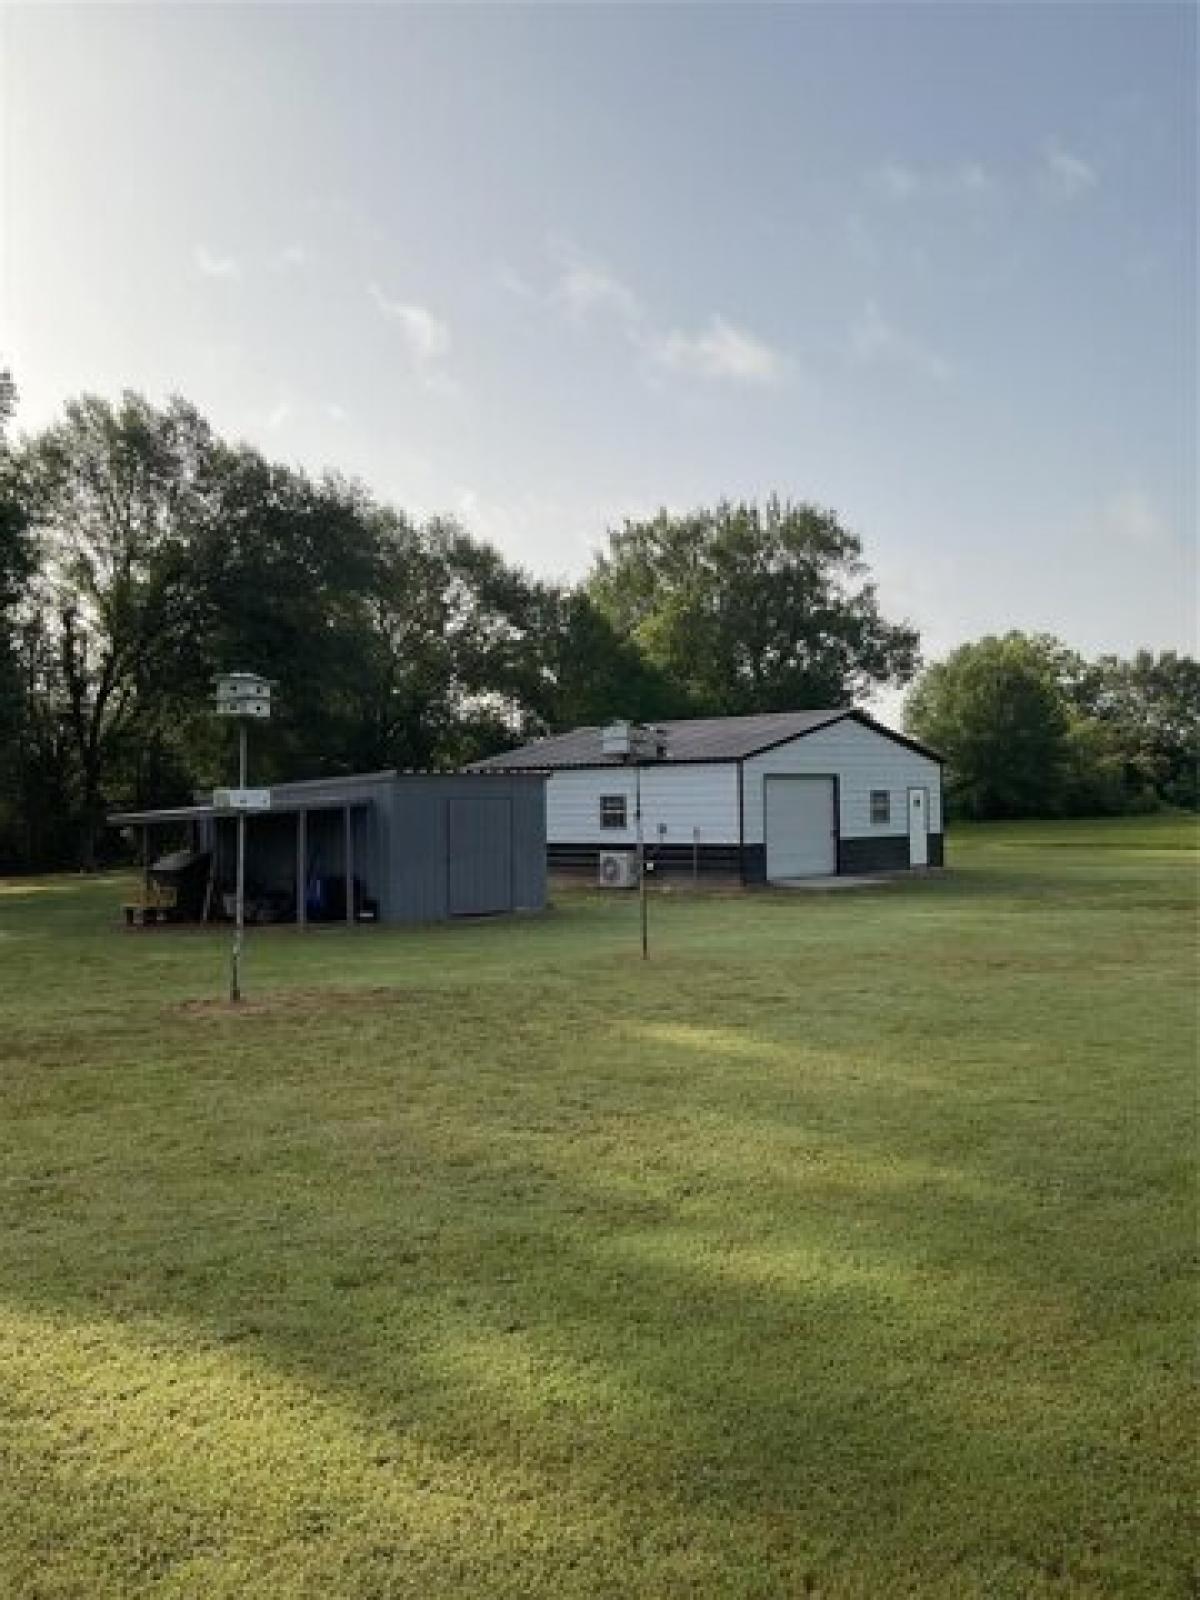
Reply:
x=808, y=1269
x=741, y=1348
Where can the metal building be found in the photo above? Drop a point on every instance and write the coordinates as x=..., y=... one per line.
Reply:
x=775, y=797
x=380, y=846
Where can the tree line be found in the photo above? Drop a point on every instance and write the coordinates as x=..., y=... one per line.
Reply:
x=1029, y=728
x=141, y=554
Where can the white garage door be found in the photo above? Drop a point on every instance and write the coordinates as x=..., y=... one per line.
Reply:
x=801, y=836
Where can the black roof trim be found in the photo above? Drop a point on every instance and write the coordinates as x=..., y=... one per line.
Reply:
x=852, y=714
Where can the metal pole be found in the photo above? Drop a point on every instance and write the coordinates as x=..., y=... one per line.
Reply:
x=695, y=858
x=641, y=865
x=235, y=975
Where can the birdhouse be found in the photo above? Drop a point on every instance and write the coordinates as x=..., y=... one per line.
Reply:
x=243, y=694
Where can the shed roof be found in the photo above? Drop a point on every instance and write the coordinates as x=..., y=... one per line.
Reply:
x=696, y=739
x=332, y=793
x=211, y=813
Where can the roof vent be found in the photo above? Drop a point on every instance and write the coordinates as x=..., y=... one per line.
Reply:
x=633, y=741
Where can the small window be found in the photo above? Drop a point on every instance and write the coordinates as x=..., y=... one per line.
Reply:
x=881, y=805
x=612, y=810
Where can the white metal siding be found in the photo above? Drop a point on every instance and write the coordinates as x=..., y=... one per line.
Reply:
x=703, y=796
x=861, y=760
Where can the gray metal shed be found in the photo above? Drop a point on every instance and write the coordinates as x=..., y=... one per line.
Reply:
x=417, y=847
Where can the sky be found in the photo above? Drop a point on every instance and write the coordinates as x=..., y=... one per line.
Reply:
x=546, y=268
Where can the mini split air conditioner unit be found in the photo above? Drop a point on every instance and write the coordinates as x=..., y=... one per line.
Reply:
x=617, y=869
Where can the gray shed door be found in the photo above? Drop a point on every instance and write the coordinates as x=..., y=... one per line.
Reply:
x=800, y=828
x=479, y=847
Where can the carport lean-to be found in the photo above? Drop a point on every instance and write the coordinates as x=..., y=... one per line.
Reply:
x=210, y=828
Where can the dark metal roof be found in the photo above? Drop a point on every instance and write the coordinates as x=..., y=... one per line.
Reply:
x=698, y=739
x=302, y=794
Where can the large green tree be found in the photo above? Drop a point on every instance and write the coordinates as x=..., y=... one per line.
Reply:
x=279, y=569
x=16, y=569
x=749, y=607
x=16, y=548
x=450, y=655
x=471, y=652
x=109, y=492
x=591, y=673
x=996, y=710
x=15, y=553
x=1149, y=710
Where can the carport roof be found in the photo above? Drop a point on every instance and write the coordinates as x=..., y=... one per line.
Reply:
x=210, y=813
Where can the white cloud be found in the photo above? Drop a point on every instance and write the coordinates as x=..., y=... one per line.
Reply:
x=426, y=336
x=1066, y=175
x=900, y=182
x=1062, y=174
x=292, y=255
x=215, y=266
x=281, y=412
x=335, y=412
x=874, y=341
x=586, y=287
x=720, y=350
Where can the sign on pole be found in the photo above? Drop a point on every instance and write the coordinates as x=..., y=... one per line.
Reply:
x=242, y=799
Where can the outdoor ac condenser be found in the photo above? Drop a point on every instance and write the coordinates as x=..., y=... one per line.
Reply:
x=617, y=869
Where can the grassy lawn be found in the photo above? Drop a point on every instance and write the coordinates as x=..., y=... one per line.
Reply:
x=840, y=1250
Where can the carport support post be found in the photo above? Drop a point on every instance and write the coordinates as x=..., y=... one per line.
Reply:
x=349, y=866
x=235, y=970
x=301, y=866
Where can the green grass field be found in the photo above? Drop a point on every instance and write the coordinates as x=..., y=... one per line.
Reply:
x=840, y=1250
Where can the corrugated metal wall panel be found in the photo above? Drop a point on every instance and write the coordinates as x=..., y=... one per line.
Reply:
x=479, y=849
x=466, y=844
x=418, y=854
x=529, y=846
x=679, y=798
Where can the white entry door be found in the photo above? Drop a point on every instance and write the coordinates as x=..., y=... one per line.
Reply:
x=801, y=830
x=918, y=827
